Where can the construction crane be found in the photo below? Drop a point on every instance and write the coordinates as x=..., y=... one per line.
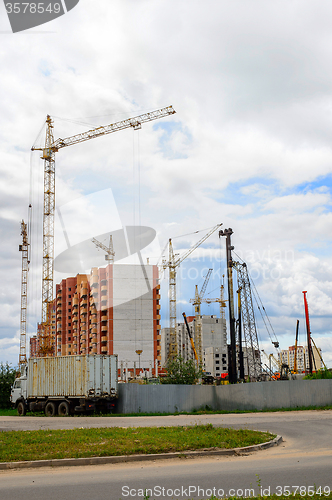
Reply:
x=24, y=248
x=172, y=264
x=48, y=155
x=109, y=251
x=248, y=323
x=295, y=370
x=319, y=354
x=198, y=323
x=191, y=338
x=308, y=330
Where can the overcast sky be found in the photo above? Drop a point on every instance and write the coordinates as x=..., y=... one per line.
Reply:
x=249, y=146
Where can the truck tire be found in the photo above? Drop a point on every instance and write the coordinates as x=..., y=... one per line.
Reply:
x=50, y=409
x=21, y=409
x=64, y=409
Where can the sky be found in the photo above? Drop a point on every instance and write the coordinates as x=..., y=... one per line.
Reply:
x=249, y=146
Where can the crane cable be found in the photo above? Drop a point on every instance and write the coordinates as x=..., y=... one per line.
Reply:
x=261, y=307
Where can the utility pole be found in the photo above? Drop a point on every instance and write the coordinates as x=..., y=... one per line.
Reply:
x=232, y=358
x=308, y=330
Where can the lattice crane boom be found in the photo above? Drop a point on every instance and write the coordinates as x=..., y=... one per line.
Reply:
x=172, y=264
x=48, y=155
x=109, y=251
x=249, y=323
x=24, y=248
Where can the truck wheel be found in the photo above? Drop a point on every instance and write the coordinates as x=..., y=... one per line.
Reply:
x=50, y=409
x=21, y=409
x=63, y=409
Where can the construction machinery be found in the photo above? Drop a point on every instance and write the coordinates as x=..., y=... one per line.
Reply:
x=306, y=308
x=172, y=264
x=24, y=248
x=319, y=354
x=248, y=322
x=48, y=155
x=295, y=370
x=191, y=338
x=109, y=251
x=197, y=301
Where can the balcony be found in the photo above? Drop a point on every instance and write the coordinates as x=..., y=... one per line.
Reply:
x=104, y=339
x=104, y=349
x=104, y=317
x=104, y=328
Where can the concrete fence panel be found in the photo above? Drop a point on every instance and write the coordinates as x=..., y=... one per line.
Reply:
x=135, y=398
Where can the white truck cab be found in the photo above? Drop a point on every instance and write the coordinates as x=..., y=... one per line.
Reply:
x=19, y=391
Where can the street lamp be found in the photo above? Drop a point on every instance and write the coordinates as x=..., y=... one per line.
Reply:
x=139, y=352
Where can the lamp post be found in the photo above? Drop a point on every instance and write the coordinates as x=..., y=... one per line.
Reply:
x=139, y=352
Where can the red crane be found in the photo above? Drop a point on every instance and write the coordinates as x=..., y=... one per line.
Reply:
x=308, y=330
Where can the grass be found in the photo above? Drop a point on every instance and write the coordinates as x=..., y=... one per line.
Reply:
x=200, y=411
x=76, y=443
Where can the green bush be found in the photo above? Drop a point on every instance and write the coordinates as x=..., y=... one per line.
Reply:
x=182, y=372
x=7, y=377
x=319, y=375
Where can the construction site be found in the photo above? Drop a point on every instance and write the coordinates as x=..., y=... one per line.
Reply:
x=115, y=309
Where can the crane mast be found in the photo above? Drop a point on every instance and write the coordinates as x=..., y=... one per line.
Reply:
x=24, y=248
x=249, y=323
x=197, y=301
x=45, y=338
x=48, y=155
x=172, y=264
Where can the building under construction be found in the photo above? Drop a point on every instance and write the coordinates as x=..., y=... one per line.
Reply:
x=214, y=342
x=113, y=310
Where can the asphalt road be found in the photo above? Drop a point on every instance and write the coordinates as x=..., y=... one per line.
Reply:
x=304, y=459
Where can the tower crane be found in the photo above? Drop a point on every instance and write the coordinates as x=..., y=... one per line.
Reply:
x=48, y=155
x=24, y=248
x=198, y=323
x=172, y=264
x=109, y=251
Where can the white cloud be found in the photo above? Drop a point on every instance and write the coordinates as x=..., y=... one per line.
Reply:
x=250, y=145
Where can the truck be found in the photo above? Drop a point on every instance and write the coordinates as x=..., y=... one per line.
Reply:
x=64, y=385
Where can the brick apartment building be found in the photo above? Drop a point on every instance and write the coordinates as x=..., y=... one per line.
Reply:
x=114, y=310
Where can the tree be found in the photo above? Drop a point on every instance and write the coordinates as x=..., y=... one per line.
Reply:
x=7, y=377
x=182, y=372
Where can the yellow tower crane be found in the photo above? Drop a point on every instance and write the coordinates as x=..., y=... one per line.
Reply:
x=198, y=323
x=172, y=264
x=48, y=155
x=24, y=248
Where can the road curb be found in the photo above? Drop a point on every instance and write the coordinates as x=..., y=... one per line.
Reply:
x=74, y=462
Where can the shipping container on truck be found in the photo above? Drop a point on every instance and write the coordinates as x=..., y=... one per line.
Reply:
x=64, y=385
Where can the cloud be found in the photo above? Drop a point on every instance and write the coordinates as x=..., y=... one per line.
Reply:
x=250, y=145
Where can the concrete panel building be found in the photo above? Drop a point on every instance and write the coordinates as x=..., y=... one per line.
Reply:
x=214, y=342
x=114, y=310
x=287, y=356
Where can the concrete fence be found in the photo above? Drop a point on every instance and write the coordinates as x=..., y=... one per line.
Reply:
x=135, y=398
